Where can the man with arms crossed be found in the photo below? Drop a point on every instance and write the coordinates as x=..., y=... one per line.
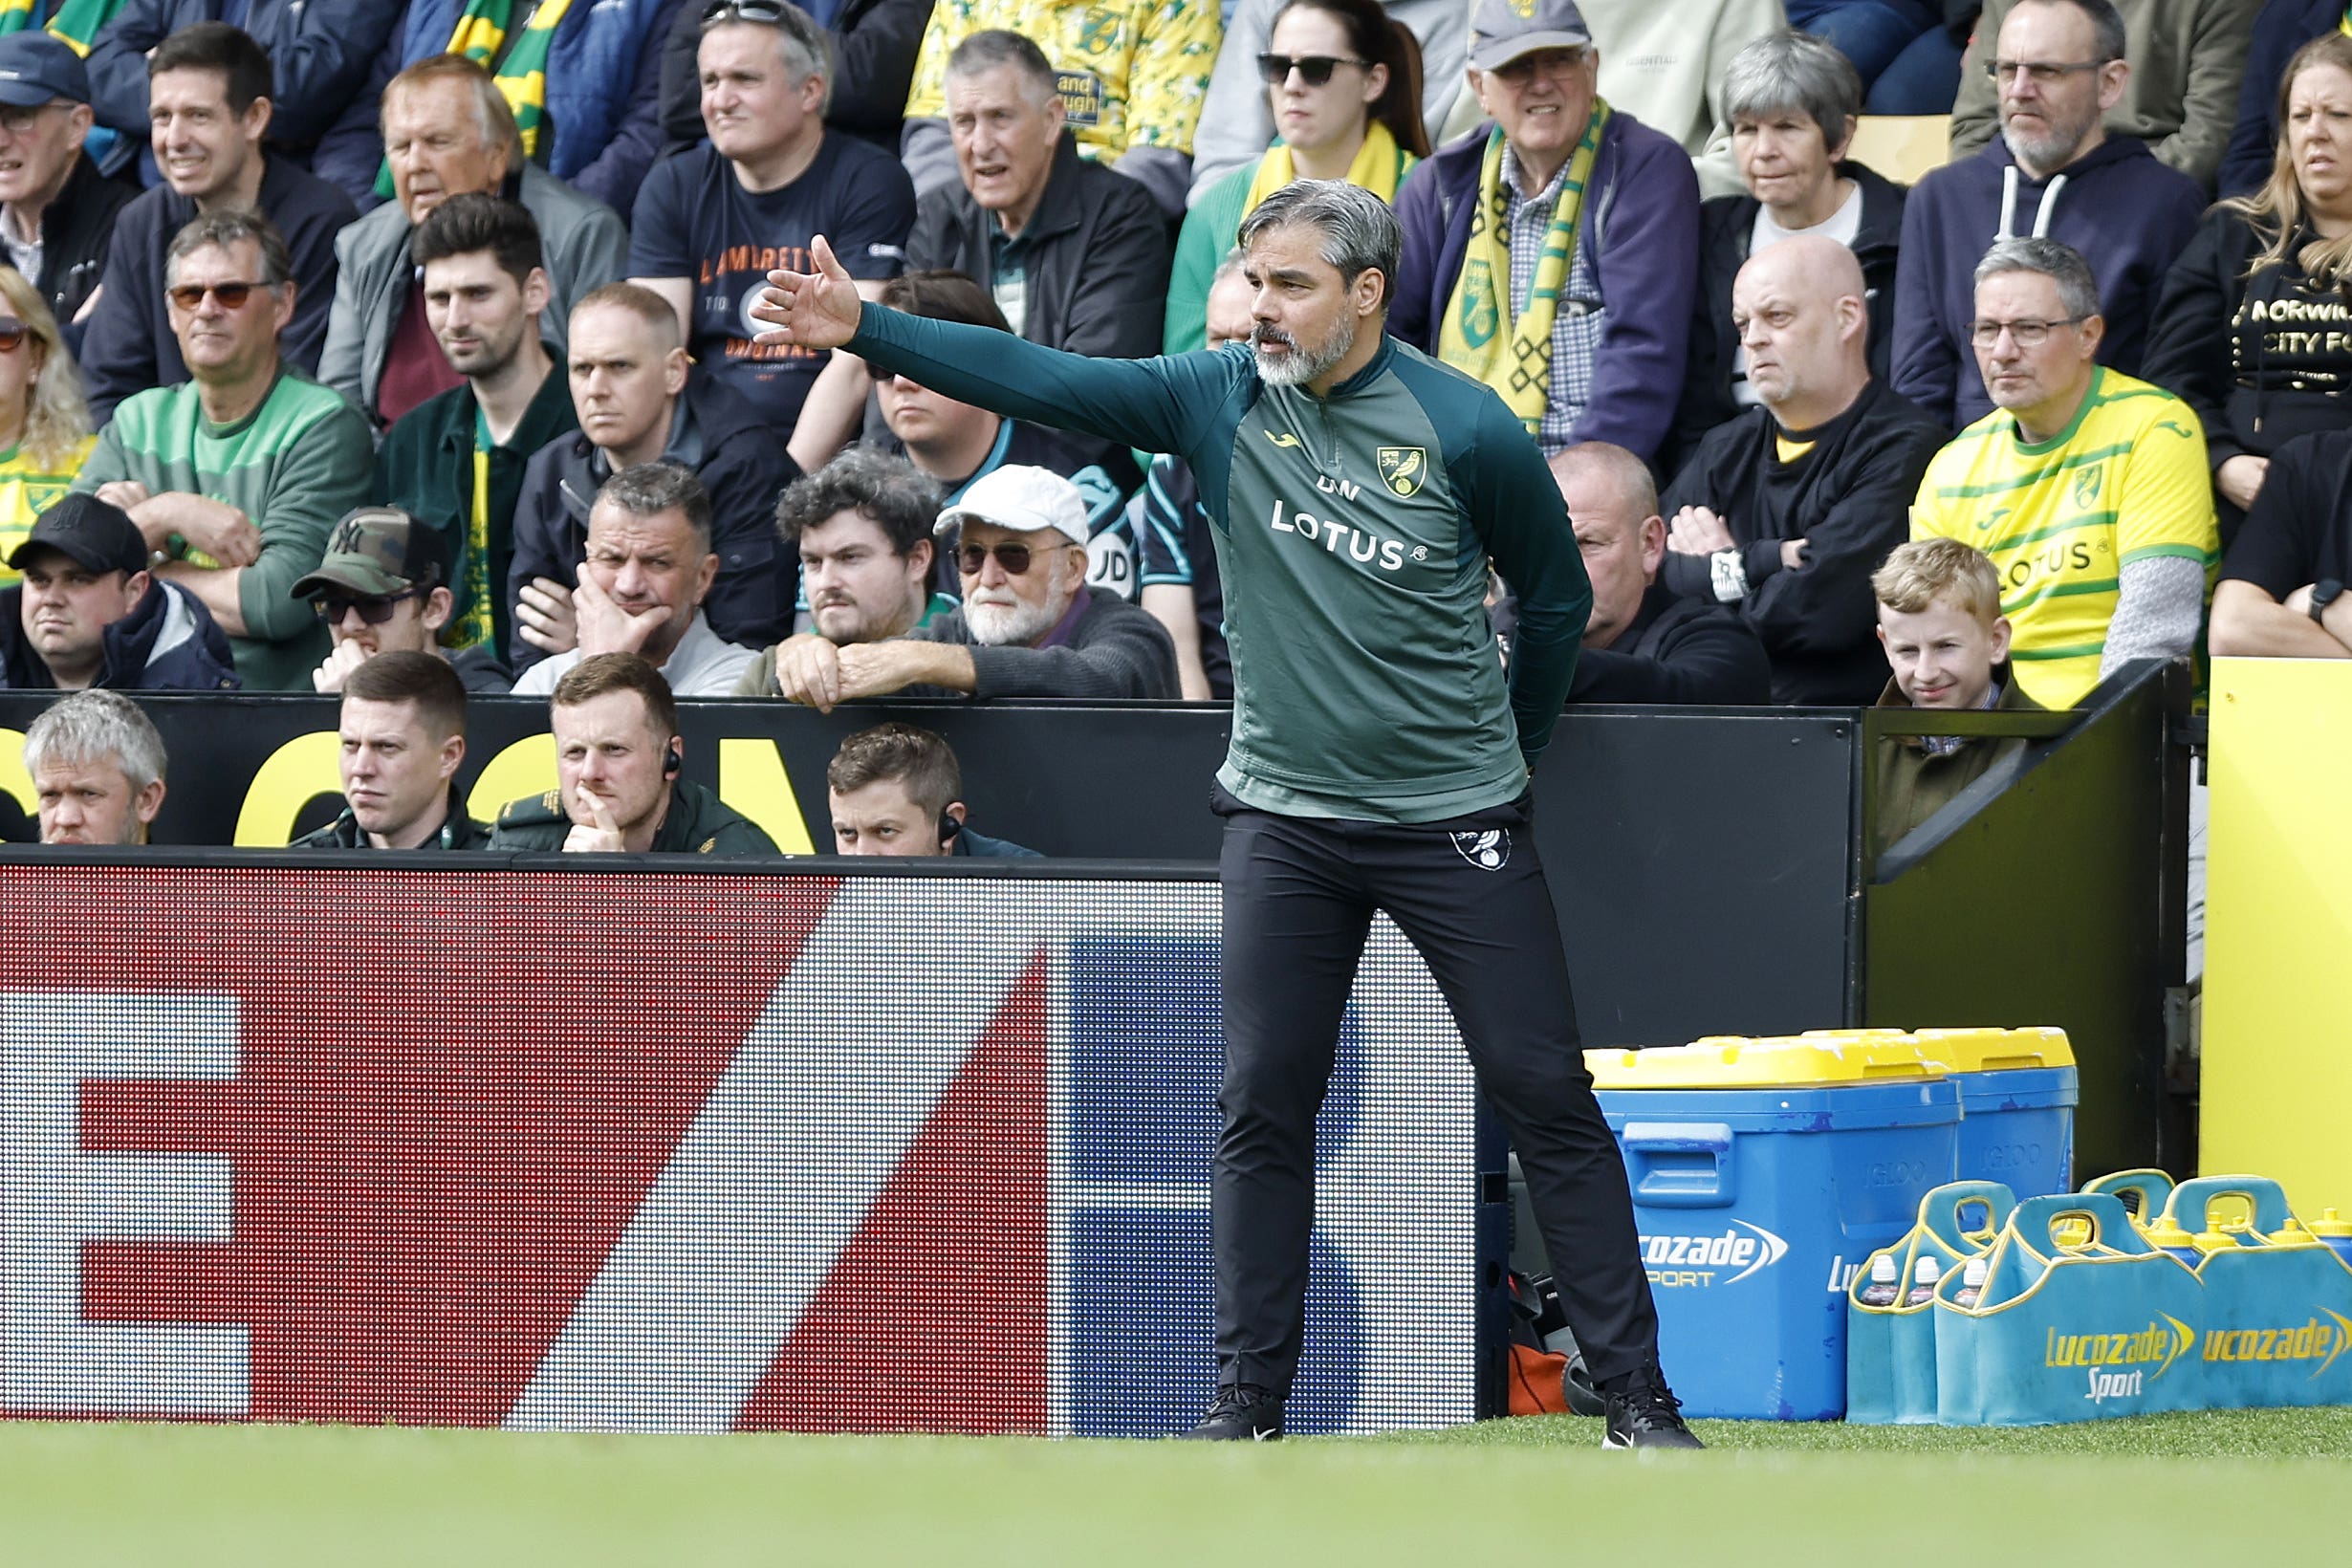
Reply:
x=1358, y=489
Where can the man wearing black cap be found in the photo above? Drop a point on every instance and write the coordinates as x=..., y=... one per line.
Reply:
x=382, y=587
x=89, y=613
x=56, y=211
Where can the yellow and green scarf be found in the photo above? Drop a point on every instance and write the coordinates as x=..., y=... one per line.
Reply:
x=1477, y=332
x=77, y=22
x=1380, y=166
x=520, y=72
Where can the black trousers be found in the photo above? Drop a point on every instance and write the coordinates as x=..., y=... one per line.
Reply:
x=1299, y=896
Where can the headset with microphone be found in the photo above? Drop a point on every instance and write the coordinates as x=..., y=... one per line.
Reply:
x=949, y=828
x=673, y=764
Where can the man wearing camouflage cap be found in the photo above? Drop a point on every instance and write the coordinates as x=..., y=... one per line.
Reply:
x=383, y=586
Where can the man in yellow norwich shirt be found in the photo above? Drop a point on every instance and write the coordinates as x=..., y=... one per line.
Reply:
x=2088, y=489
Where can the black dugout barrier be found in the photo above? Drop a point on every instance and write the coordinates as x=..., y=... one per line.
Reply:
x=1712, y=866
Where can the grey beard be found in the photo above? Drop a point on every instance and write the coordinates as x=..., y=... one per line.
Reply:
x=1016, y=625
x=1304, y=364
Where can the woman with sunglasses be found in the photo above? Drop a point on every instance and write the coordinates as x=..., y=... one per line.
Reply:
x=44, y=423
x=2253, y=328
x=1344, y=83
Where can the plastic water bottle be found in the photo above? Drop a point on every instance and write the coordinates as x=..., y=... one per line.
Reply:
x=2169, y=1237
x=1972, y=1282
x=2336, y=1231
x=1885, y=1283
x=1926, y=1275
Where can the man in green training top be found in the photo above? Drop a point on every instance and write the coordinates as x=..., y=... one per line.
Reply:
x=1379, y=762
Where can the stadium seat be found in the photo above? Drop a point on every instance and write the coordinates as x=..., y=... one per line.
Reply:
x=1902, y=148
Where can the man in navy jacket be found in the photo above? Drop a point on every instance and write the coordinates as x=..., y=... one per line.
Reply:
x=320, y=51
x=1623, y=320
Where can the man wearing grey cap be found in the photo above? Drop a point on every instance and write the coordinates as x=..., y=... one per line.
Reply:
x=1030, y=626
x=90, y=614
x=382, y=587
x=56, y=211
x=1553, y=254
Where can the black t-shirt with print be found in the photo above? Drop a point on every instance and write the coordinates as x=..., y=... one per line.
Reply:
x=694, y=220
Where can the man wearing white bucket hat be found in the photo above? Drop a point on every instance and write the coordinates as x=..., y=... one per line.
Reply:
x=1030, y=626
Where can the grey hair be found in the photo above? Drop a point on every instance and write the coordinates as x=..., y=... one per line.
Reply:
x=986, y=50
x=2108, y=40
x=807, y=52
x=97, y=726
x=225, y=228
x=2054, y=259
x=1359, y=230
x=1233, y=263
x=652, y=489
x=1787, y=70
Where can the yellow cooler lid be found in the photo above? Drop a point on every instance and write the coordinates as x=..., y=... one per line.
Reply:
x=1996, y=1050
x=1732, y=1061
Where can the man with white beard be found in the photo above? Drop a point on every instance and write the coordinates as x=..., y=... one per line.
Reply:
x=1030, y=626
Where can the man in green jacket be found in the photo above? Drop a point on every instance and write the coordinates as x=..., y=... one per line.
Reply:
x=1941, y=623
x=617, y=760
x=456, y=460
x=235, y=475
x=1379, y=761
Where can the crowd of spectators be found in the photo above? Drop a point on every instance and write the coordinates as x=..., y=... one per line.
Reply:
x=403, y=349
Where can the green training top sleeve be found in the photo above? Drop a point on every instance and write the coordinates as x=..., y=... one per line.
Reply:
x=1166, y=404
x=1516, y=510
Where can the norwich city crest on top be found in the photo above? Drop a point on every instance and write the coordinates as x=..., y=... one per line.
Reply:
x=1402, y=469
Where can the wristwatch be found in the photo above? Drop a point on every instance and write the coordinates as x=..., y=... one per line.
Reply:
x=2324, y=593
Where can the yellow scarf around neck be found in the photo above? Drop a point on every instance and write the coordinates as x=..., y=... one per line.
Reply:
x=1482, y=335
x=1380, y=166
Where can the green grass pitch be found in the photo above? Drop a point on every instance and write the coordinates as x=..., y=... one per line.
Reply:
x=2266, y=1488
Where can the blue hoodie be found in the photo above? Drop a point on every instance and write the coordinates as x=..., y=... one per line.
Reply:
x=2128, y=214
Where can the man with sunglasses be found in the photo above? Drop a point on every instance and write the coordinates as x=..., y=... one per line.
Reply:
x=235, y=477
x=2088, y=488
x=209, y=112
x=1028, y=626
x=2059, y=65
x=1379, y=754
x=383, y=587
x=1553, y=257
x=90, y=614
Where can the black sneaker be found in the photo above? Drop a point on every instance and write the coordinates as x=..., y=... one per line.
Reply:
x=1242, y=1412
x=1646, y=1414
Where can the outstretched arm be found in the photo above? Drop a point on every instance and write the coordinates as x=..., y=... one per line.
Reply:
x=1163, y=405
